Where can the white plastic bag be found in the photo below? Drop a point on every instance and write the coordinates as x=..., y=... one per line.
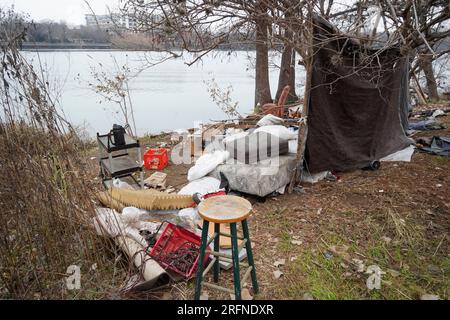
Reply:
x=207, y=163
x=269, y=120
x=233, y=137
x=132, y=214
x=203, y=186
x=280, y=131
x=117, y=183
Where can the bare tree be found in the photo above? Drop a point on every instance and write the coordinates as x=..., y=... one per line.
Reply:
x=201, y=26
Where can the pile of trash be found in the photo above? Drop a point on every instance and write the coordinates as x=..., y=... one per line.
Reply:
x=256, y=159
x=252, y=158
x=159, y=231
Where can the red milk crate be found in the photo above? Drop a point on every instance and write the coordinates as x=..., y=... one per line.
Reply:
x=156, y=159
x=178, y=249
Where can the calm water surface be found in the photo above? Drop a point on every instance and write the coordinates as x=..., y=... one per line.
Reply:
x=167, y=96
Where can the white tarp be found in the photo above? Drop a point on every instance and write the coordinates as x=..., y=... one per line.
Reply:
x=401, y=155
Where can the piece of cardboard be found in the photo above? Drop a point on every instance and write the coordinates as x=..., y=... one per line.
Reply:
x=224, y=242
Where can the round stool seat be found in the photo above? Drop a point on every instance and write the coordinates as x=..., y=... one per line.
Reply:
x=225, y=209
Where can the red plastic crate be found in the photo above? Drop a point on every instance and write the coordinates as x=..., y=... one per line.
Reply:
x=156, y=159
x=173, y=243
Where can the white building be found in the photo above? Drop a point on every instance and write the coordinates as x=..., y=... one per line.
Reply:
x=110, y=21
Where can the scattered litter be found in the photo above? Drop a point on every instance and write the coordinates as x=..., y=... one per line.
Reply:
x=439, y=146
x=437, y=113
x=156, y=180
x=280, y=262
x=156, y=159
x=170, y=189
x=117, y=183
x=225, y=265
x=207, y=163
x=374, y=280
x=202, y=186
x=178, y=250
x=297, y=242
x=359, y=265
x=314, y=177
x=278, y=274
x=426, y=125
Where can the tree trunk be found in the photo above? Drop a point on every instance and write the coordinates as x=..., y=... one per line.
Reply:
x=426, y=64
x=287, y=67
x=287, y=74
x=262, y=85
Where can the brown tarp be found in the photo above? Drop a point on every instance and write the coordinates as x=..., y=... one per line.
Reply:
x=355, y=114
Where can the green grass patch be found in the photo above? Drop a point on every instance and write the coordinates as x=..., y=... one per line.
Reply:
x=440, y=160
x=408, y=275
x=285, y=245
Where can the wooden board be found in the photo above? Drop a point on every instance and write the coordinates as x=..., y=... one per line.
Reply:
x=224, y=242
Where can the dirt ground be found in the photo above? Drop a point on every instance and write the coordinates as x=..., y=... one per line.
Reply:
x=324, y=238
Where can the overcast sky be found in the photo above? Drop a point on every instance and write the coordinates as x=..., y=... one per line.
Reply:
x=71, y=11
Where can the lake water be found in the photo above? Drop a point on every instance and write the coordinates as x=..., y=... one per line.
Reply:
x=167, y=96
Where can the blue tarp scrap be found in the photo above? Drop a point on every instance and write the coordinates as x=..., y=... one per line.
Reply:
x=426, y=125
x=439, y=146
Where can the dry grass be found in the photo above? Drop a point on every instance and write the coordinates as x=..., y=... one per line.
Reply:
x=45, y=194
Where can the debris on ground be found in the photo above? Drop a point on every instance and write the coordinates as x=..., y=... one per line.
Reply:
x=355, y=188
x=156, y=180
x=277, y=274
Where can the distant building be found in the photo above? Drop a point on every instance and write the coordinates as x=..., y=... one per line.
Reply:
x=110, y=22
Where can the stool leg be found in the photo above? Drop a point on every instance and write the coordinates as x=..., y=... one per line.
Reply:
x=248, y=247
x=217, y=248
x=201, y=260
x=235, y=250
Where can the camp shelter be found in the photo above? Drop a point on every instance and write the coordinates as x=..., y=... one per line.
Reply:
x=358, y=103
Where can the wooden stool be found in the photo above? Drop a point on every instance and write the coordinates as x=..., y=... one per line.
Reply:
x=225, y=209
